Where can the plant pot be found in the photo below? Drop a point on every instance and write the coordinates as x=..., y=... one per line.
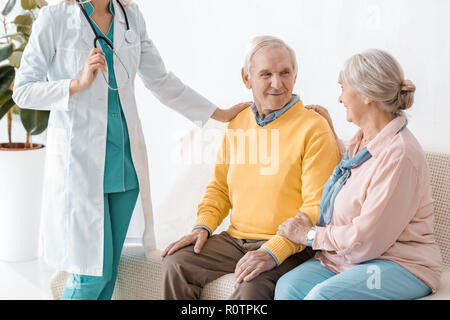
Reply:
x=20, y=201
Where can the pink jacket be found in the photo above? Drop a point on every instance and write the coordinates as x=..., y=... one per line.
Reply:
x=384, y=210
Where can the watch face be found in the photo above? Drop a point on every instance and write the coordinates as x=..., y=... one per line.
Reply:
x=310, y=235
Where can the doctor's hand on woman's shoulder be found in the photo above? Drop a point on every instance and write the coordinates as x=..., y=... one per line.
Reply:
x=226, y=115
x=95, y=61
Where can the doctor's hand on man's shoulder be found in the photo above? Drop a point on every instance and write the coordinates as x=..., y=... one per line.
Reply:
x=95, y=61
x=226, y=115
x=198, y=238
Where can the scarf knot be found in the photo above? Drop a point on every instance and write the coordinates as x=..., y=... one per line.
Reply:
x=339, y=177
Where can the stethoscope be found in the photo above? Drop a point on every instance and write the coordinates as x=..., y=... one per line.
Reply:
x=130, y=37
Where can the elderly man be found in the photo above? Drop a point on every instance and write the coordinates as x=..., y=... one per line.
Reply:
x=261, y=191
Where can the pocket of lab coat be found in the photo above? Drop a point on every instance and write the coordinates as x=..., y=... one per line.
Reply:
x=70, y=62
x=57, y=141
x=130, y=56
x=57, y=159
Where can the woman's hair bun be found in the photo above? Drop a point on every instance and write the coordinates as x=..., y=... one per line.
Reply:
x=408, y=86
x=406, y=95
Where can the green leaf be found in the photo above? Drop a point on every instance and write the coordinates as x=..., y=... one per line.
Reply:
x=23, y=20
x=34, y=121
x=5, y=97
x=5, y=51
x=28, y=4
x=7, y=74
x=42, y=123
x=6, y=102
x=8, y=7
x=5, y=107
x=15, y=58
x=25, y=31
x=16, y=109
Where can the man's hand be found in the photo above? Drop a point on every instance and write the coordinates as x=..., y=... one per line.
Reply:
x=253, y=264
x=229, y=114
x=197, y=237
x=295, y=229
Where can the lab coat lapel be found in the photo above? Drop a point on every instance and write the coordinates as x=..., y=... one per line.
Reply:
x=120, y=26
x=87, y=34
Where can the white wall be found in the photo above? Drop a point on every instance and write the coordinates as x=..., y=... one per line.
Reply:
x=203, y=42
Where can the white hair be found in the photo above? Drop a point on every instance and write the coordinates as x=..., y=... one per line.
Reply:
x=377, y=75
x=265, y=41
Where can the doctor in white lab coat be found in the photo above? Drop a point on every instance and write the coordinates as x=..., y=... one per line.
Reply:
x=60, y=71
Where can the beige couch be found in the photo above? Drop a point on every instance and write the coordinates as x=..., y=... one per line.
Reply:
x=139, y=277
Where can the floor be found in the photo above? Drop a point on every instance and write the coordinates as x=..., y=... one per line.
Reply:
x=29, y=280
x=25, y=280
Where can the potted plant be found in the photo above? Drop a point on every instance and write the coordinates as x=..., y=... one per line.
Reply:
x=22, y=163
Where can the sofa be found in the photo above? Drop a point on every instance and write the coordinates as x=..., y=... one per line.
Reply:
x=139, y=276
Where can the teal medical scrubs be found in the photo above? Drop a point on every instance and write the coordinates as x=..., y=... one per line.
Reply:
x=120, y=175
x=120, y=184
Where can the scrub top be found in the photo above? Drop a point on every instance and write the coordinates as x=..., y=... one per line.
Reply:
x=120, y=175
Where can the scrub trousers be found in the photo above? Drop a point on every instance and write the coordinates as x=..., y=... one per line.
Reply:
x=371, y=280
x=119, y=208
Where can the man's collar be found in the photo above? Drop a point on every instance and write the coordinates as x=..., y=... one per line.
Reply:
x=89, y=8
x=274, y=114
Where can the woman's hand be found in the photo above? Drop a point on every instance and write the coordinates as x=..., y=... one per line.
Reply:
x=324, y=113
x=96, y=60
x=229, y=114
x=295, y=229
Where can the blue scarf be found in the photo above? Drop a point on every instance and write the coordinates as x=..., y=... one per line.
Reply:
x=340, y=175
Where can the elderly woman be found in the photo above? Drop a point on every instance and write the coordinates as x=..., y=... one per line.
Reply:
x=375, y=228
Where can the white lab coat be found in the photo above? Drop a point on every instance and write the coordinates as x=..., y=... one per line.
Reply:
x=72, y=222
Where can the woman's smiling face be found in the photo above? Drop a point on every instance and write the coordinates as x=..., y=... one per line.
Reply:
x=355, y=104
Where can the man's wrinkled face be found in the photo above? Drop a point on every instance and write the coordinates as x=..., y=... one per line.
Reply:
x=271, y=77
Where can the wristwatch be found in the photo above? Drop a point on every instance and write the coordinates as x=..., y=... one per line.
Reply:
x=310, y=236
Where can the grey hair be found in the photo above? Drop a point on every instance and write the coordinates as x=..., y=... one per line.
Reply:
x=259, y=42
x=377, y=75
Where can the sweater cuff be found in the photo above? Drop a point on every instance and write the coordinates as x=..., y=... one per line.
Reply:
x=271, y=253
x=282, y=248
x=203, y=227
x=207, y=221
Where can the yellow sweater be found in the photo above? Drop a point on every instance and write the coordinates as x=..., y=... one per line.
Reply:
x=266, y=174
